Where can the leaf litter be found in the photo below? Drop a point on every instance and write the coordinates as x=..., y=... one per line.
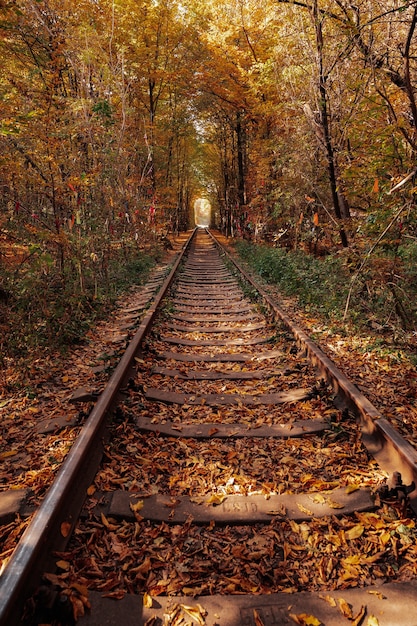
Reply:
x=119, y=557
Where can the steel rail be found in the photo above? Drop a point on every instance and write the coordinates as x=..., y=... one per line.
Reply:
x=64, y=498
x=384, y=443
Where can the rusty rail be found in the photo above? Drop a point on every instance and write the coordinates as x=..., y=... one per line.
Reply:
x=66, y=495
x=388, y=447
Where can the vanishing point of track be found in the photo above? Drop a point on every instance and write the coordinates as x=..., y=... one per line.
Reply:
x=228, y=474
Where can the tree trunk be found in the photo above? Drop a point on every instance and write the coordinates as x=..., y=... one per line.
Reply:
x=325, y=121
x=240, y=160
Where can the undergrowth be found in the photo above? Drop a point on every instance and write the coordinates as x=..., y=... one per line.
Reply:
x=381, y=296
x=48, y=309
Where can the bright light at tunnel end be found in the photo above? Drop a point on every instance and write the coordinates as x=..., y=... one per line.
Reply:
x=202, y=213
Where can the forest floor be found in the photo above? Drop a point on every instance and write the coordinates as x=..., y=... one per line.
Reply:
x=30, y=453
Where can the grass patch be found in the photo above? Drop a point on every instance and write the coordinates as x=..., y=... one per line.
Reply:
x=318, y=284
x=383, y=296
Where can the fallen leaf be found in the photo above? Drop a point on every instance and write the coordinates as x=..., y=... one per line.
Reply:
x=78, y=608
x=359, y=617
x=334, y=505
x=329, y=599
x=318, y=498
x=257, y=618
x=195, y=612
x=65, y=529
x=378, y=594
x=351, y=488
x=7, y=454
x=355, y=532
x=280, y=511
x=304, y=510
x=136, y=506
x=82, y=589
x=303, y=619
x=216, y=499
x=118, y=594
x=372, y=621
x=147, y=600
x=345, y=608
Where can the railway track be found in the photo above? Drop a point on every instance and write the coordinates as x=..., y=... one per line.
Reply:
x=239, y=480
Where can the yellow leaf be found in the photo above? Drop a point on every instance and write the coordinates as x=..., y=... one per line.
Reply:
x=345, y=608
x=195, y=612
x=305, y=620
x=384, y=538
x=137, y=506
x=318, y=498
x=216, y=499
x=353, y=559
x=351, y=488
x=334, y=505
x=355, y=532
x=64, y=565
x=329, y=599
x=294, y=526
x=304, y=510
x=372, y=621
x=378, y=594
x=147, y=600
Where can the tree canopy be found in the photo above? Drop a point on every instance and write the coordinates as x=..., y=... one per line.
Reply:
x=295, y=119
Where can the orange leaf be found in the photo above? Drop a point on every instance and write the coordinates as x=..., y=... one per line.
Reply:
x=5, y=455
x=65, y=529
x=257, y=618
